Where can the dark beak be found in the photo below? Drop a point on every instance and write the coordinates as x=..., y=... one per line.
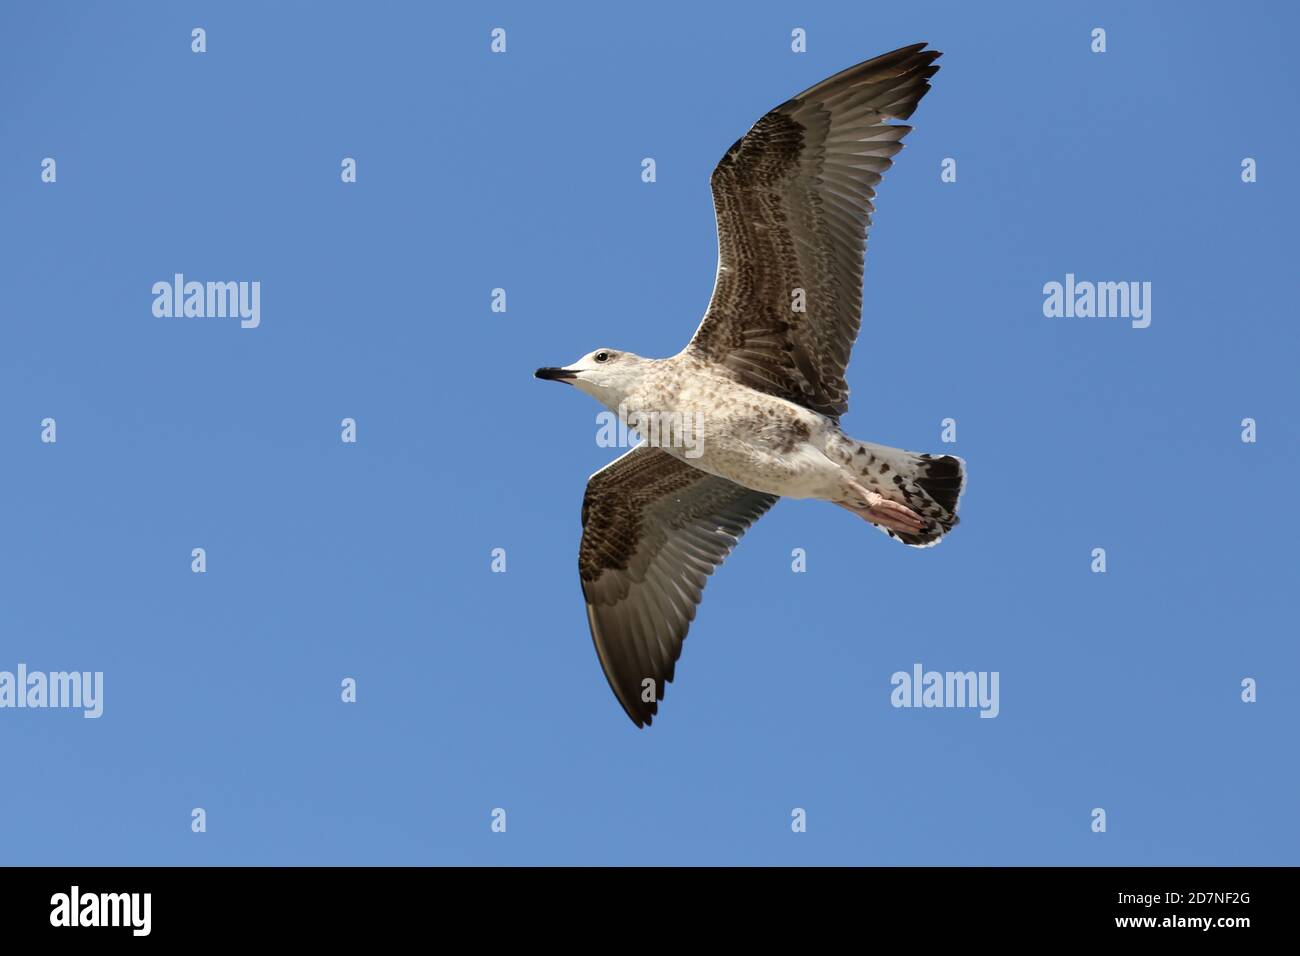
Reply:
x=556, y=374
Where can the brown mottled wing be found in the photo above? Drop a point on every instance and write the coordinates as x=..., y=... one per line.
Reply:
x=793, y=200
x=653, y=530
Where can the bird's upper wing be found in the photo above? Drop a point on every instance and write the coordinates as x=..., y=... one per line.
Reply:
x=653, y=530
x=793, y=200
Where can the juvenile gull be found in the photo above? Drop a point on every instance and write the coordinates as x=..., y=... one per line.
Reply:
x=764, y=380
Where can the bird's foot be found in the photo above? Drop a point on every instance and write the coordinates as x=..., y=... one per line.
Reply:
x=878, y=509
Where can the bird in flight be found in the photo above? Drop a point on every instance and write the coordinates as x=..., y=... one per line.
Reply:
x=749, y=410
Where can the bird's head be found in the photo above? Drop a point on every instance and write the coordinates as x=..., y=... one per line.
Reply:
x=607, y=375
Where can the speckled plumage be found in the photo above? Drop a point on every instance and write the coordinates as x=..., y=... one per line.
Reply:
x=763, y=380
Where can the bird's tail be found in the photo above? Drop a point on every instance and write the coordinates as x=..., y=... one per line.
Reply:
x=931, y=485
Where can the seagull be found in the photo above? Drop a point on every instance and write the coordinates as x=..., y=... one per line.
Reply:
x=749, y=410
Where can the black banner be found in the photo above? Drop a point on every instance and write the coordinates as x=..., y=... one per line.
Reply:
x=361, y=904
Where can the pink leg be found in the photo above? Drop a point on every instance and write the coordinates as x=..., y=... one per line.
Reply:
x=878, y=509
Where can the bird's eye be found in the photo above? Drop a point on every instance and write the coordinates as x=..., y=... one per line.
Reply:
x=602, y=356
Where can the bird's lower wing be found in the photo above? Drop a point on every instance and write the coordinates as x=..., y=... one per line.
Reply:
x=653, y=530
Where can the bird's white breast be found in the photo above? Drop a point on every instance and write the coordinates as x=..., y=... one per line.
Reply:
x=749, y=437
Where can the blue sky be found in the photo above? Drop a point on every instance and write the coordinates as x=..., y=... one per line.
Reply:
x=371, y=560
